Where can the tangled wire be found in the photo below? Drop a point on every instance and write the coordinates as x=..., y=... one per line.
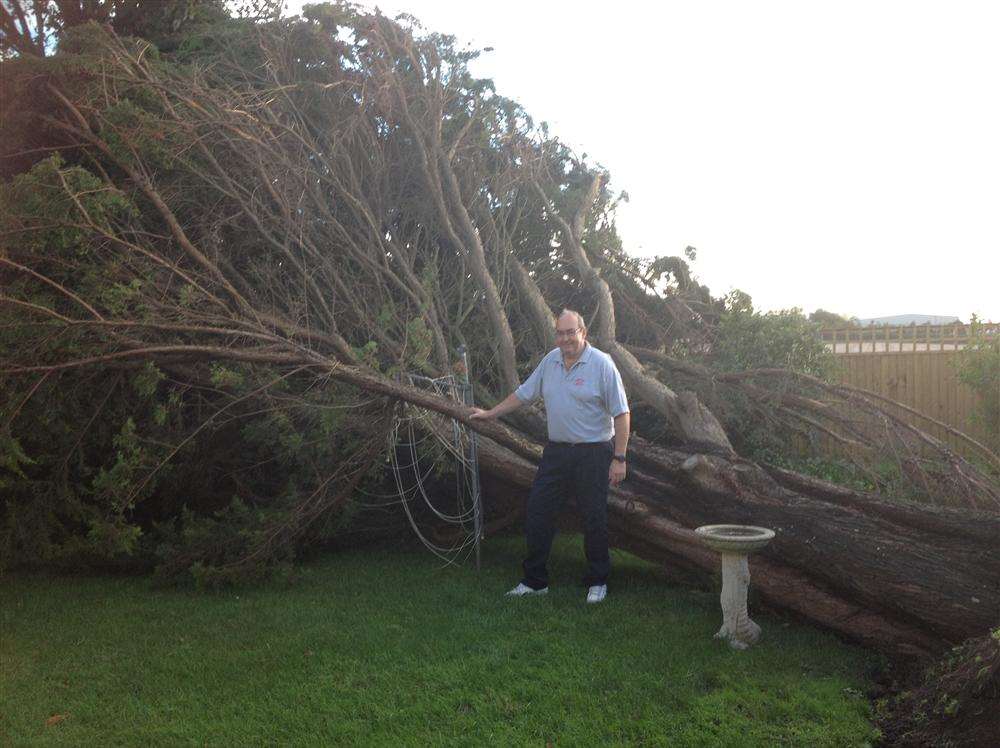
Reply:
x=405, y=449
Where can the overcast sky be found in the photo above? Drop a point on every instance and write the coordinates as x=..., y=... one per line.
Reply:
x=840, y=155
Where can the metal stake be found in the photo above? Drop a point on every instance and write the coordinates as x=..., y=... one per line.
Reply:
x=477, y=498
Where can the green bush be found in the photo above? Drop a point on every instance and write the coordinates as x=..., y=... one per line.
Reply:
x=748, y=339
x=979, y=368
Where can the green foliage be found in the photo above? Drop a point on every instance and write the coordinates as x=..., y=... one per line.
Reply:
x=134, y=133
x=208, y=549
x=330, y=16
x=829, y=319
x=188, y=296
x=771, y=447
x=122, y=299
x=761, y=447
x=42, y=199
x=418, y=341
x=125, y=481
x=62, y=500
x=90, y=475
x=227, y=377
x=748, y=339
x=109, y=539
x=162, y=21
x=12, y=456
x=979, y=369
x=142, y=465
x=367, y=354
x=278, y=452
x=147, y=380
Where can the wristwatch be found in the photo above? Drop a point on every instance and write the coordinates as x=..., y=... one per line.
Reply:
x=619, y=458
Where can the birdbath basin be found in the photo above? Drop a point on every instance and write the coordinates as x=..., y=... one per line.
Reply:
x=735, y=543
x=735, y=538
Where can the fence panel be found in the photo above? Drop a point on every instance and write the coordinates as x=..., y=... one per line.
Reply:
x=926, y=381
x=916, y=366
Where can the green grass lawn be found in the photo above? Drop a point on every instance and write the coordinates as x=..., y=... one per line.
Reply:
x=387, y=647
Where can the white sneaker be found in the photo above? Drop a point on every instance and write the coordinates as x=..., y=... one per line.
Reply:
x=522, y=590
x=597, y=593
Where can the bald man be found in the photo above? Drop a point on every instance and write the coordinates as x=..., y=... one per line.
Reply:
x=588, y=427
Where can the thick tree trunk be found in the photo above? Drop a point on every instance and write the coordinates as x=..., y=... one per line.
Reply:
x=538, y=311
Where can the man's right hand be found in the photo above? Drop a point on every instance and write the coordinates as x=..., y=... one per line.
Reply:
x=500, y=409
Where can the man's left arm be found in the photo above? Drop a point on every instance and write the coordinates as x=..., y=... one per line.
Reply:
x=617, y=404
x=616, y=473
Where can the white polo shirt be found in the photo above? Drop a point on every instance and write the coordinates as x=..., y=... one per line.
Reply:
x=580, y=404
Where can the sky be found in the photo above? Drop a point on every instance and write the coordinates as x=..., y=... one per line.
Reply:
x=843, y=156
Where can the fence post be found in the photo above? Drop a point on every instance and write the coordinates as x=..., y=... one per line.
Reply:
x=477, y=497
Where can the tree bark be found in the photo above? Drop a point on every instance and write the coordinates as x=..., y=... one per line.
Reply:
x=538, y=311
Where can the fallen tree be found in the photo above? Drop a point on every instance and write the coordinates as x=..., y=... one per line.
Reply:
x=278, y=209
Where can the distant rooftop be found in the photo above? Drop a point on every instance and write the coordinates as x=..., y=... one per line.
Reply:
x=902, y=320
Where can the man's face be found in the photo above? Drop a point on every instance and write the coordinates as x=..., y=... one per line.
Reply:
x=570, y=336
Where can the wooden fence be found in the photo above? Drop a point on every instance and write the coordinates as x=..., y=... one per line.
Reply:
x=911, y=338
x=916, y=366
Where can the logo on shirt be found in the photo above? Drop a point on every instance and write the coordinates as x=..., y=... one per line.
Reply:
x=578, y=381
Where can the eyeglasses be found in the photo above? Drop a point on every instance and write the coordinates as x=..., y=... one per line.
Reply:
x=567, y=333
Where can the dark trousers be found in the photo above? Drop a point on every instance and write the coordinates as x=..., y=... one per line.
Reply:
x=580, y=470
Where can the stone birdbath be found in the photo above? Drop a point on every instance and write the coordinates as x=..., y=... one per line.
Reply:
x=736, y=543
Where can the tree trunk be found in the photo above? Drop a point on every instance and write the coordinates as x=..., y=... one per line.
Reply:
x=910, y=585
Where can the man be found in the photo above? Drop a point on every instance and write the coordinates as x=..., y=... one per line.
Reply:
x=586, y=407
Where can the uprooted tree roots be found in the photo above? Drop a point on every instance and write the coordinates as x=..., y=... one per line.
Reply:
x=957, y=701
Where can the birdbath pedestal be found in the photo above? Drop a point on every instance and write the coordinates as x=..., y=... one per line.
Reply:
x=736, y=543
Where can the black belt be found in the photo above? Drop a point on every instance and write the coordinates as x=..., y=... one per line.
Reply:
x=579, y=444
